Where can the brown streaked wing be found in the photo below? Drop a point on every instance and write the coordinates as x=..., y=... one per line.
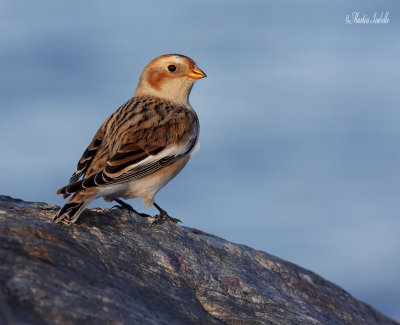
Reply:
x=101, y=178
x=173, y=125
x=151, y=138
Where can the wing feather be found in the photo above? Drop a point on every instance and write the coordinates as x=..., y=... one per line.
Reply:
x=88, y=156
x=137, y=149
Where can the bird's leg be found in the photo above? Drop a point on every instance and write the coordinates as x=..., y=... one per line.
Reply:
x=163, y=216
x=125, y=206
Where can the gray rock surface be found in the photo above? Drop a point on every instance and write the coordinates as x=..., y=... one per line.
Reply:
x=113, y=268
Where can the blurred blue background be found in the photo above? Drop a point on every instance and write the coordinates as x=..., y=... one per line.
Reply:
x=299, y=116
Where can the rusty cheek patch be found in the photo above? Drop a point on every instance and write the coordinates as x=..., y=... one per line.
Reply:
x=156, y=78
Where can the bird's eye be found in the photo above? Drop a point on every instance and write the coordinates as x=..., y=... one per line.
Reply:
x=171, y=68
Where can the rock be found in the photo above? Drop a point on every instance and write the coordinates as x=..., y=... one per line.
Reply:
x=113, y=268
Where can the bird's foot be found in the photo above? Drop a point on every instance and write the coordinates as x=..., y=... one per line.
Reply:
x=125, y=206
x=162, y=217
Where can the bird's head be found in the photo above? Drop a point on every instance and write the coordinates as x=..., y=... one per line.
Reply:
x=170, y=77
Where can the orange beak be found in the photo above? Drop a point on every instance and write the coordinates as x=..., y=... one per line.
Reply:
x=196, y=73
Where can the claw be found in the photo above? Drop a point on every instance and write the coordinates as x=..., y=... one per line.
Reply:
x=161, y=218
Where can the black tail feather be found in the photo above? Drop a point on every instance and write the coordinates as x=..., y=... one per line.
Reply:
x=69, y=213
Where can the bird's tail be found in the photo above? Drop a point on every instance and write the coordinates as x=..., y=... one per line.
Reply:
x=71, y=211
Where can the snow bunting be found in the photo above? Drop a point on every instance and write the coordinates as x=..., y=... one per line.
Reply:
x=142, y=145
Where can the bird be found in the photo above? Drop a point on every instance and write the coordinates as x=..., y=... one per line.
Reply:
x=142, y=146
